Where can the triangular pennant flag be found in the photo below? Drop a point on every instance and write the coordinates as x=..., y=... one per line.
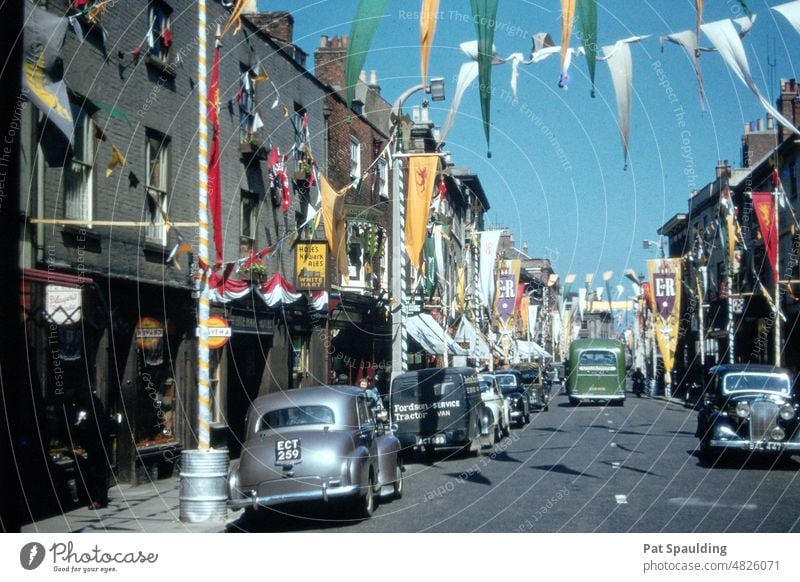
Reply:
x=484, y=14
x=427, y=29
x=587, y=18
x=366, y=21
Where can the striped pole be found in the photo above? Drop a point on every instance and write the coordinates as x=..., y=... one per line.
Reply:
x=401, y=199
x=399, y=266
x=203, y=383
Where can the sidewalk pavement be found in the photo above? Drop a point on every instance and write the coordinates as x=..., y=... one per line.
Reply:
x=152, y=507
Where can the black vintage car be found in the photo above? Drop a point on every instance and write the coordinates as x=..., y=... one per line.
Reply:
x=748, y=407
x=516, y=393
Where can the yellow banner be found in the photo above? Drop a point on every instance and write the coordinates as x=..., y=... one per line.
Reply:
x=427, y=28
x=665, y=286
x=419, y=186
x=333, y=216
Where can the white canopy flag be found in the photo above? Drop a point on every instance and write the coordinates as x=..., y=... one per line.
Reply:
x=790, y=11
x=620, y=290
x=691, y=44
x=533, y=313
x=618, y=57
x=488, y=240
x=556, y=324
x=725, y=39
x=581, y=301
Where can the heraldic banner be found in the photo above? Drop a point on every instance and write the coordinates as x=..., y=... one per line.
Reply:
x=665, y=286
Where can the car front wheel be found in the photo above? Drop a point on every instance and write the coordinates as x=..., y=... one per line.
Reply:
x=398, y=484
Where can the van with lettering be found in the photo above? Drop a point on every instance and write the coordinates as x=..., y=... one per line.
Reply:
x=439, y=408
x=596, y=371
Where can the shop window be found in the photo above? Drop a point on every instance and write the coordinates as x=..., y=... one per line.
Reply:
x=156, y=187
x=355, y=158
x=299, y=363
x=159, y=31
x=156, y=390
x=383, y=178
x=79, y=171
x=249, y=220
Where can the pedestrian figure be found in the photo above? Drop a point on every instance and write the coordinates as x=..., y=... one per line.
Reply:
x=638, y=382
x=372, y=393
x=94, y=436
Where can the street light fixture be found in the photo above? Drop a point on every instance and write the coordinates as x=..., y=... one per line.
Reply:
x=646, y=244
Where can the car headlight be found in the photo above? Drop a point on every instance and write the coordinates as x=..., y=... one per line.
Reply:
x=777, y=434
x=742, y=409
x=787, y=412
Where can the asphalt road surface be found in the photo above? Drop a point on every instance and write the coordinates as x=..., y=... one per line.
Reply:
x=591, y=468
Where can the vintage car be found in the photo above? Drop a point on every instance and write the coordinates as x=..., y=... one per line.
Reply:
x=494, y=401
x=316, y=444
x=538, y=387
x=747, y=407
x=516, y=395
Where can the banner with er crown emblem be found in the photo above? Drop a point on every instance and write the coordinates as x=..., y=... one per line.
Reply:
x=665, y=289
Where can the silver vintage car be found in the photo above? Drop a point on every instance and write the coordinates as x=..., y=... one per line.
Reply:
x=316, y=444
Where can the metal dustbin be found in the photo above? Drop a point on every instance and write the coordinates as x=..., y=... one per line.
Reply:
x=204, y=485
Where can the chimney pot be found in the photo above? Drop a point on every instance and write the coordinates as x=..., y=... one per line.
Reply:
x=323, y=41
x=335, y=42
x=362, y=76
x=345, y=41
x=373, y=78
x=760, y=124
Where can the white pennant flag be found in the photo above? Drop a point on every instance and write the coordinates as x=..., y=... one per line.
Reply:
x=726, y=40
x=533, y=313
x=790, y=11
x=618, y=57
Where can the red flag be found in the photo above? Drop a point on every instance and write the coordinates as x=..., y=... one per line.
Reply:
x=214, y=176
x=764, y=208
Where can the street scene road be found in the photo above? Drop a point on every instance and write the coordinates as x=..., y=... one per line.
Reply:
x=590, y=468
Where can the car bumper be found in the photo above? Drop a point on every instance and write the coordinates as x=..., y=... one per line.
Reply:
x=597, y=397
x=756, y=447
x=323, y=493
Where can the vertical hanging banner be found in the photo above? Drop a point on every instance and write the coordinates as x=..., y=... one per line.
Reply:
x=484, y=14
x=665, y=277
x=763, y=206
x=505, y=305
x=421, y=180
x=488, y=255
x=587, y=19
x=214, y=173
x=333, y=216
x=366, y=21
x=427, y=29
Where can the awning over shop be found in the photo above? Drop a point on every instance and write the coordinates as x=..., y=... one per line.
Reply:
x=527, y=350
x=478, y=344
x=430, y=335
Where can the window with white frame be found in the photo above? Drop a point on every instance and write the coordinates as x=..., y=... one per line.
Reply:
x=79, y=172
x=383, y=178
x=159, y=30
x=157, y=187
x=355, y=260
x=355, y=158
x=249, y=216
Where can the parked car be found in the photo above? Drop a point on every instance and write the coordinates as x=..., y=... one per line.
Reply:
x=516, y=394
x=748, y=407
x=493, y=399
x=322, y=443
x=537, y=386
x=439, y=408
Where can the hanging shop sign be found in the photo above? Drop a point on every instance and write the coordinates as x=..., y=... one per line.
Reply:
x=62, y=304
x=149, y=332
x=219, y=332
x=310, y=265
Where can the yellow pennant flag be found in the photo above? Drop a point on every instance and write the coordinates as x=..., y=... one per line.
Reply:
x=421, y=180
x=333, y=216
x=236, y=16
x=567, y=17
x=427, y=29
x=116, y=159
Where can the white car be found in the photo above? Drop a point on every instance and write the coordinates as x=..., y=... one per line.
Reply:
x=494, y=401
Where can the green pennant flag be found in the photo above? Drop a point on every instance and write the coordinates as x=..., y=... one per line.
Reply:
x=484, y=14
x=430, y=267
x=368, y=17
x=587, y=19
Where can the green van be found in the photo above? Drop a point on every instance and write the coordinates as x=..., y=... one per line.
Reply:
x=596, y=371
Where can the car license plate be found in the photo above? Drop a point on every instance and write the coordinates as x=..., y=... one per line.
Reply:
x=437, y=439
x=765, y=446
x=287, y=451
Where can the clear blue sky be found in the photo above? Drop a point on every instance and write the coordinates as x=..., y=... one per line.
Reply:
x=568, y=196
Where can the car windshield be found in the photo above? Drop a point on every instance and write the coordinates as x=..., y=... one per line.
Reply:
x=485, y=384
x=296, y=416
x=751, y=381
x=508, y=383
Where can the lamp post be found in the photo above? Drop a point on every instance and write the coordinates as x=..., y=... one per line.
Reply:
x=399, y=260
